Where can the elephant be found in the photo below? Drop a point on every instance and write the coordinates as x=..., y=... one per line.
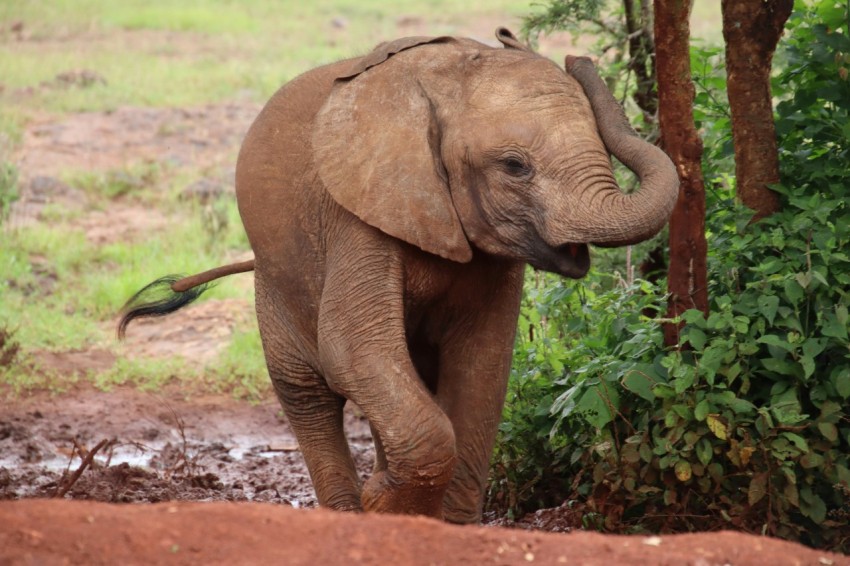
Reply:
x=392, y=202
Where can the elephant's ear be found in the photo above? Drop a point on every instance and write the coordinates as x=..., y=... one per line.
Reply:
x=377, y=149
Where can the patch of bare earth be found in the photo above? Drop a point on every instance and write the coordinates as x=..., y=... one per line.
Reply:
x=100, y=141
x=199, y=333
x=238, y=533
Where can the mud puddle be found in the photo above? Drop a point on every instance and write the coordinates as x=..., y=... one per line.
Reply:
x=158, y=447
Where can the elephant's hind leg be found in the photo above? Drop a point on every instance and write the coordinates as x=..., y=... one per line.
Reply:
x=316, y=417
x=315, y=413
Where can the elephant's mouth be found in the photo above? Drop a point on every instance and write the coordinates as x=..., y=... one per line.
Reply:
x=569, y=260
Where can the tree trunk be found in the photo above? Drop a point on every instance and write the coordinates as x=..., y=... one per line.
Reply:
x=687, y=278
x=751, y=29
x=641, y=52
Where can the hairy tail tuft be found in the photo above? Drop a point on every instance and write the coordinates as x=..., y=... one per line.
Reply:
x=157, y=299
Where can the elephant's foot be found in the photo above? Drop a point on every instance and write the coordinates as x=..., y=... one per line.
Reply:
x=348, y=502
x=383, y=495
x=464, y=499
x=461, y=516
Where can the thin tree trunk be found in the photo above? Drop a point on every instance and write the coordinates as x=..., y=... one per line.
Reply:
x=687, y=278
x=751, y=29
x=641, y=51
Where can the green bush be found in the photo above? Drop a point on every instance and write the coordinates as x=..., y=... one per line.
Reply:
x=748, y=425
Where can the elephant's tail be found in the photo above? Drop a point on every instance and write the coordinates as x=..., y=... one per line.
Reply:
x=173, y=292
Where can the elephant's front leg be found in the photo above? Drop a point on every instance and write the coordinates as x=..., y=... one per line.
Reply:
x=364, y=357
x=475, y=361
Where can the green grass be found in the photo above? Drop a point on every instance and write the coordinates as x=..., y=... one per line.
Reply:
x=172, y=54
x=241, y=369
x=146, y=374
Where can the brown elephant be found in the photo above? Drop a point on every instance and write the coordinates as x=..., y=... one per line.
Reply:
x=392, y=202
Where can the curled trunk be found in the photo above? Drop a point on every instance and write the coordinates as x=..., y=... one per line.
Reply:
x=632, y=217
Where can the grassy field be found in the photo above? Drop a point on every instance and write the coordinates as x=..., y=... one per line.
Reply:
x=164, y=53
x=59, y=290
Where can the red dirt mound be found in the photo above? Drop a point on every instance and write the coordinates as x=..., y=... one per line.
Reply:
x=74, y=532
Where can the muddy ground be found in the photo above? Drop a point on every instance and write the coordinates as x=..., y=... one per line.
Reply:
x=159, y=447
x=174, y=448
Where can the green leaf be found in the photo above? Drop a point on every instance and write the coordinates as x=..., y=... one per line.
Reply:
x=803, y=279
x=768, y=305
x=811, y=460
x=820, y=278
x=702, y=410
x=731, y=372
x=712, y=357
x=782, y=367
x=829, y=431
x=694, y=317
x=757, y=489
x=599, y=404
x=841, y=314
x=645, y=452
x=808, y=366
x=843, y=474
x=696, y=337
x=565, y=404
x=813, y=346
x=831, y=326
x=686, y=380
x=841, y=382
x=774, y=340
x=641, y=379
x=797, y=441
x=741, y=324
x=683, y=411
x=830, y=412
x=704, y=451
x=793, y=291
x=812, y=506
x=741, y=406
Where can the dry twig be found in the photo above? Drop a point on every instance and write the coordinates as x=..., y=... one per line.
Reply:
x=87, y=461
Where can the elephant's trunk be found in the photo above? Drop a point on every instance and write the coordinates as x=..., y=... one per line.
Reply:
x=627, y=218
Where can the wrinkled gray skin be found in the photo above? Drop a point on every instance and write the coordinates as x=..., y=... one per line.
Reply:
x=392, y=202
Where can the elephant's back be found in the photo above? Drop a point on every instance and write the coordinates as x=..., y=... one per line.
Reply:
x=275, y=178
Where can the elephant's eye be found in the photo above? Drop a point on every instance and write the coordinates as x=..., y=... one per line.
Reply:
x=516, y=167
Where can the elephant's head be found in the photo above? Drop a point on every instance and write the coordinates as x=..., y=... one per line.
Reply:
x=451, y=145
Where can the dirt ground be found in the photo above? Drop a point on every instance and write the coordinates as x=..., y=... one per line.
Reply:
x=177, y=477
x=56, y=532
